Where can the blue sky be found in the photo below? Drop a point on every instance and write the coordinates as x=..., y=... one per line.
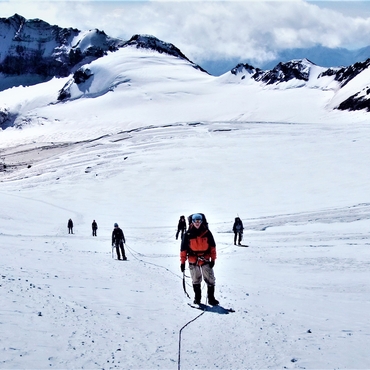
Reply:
x=350, y=8
x=213, y=30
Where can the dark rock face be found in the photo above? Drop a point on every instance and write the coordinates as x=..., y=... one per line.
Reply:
x=151, y=42
x=3, y=115
x=36, y=47
x=82, y=75
x=79, y=77
x=359, y=101
x=32, y=47
x=243, y=69
x=346, y=74
x=240, y=68
x=285, y=72
x=6, y=119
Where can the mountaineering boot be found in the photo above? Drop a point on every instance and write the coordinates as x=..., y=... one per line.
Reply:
x=198, y=293
x=211, y=296
x=123, y=251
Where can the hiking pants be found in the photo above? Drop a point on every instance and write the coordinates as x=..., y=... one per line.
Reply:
x=197, y=271
x=178, y=232
x=118, y=247
x=240, y=237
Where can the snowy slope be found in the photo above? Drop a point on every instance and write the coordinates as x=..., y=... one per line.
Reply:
x=138, y=88
x=300, y=290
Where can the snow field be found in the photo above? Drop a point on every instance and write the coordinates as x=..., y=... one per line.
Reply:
x=300, y=290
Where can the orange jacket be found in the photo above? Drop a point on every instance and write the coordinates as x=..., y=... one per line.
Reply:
x=198, y=246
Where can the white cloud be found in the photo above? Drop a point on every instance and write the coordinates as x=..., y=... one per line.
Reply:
x=209, y=29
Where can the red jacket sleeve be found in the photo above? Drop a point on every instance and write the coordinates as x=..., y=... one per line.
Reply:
x=213, y=253
x=183, y=256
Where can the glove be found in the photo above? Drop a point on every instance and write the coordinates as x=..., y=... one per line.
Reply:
x=182, y=267
x=211, y=264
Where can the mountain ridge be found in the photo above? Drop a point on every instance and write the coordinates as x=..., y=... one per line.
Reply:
x=320, y=55
x=34, y=47
x=91, y=65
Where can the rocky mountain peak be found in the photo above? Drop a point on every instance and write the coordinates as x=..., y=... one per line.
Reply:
x=295, y=69
x=152, y=43
x=34, y=47
x=346, y=74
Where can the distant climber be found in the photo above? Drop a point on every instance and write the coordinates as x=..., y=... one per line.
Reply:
x=117, y=240
x=238, y=230
x=181, y=227
x=94, y=227
x=70, y=226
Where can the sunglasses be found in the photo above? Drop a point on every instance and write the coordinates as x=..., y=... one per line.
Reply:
x=194, y=221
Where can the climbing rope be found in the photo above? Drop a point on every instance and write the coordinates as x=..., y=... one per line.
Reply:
x=188, y=323
x=135, y=254
x=180, y=332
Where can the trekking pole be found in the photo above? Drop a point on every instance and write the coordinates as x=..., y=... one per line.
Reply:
x=112, y=251
x=183, y=284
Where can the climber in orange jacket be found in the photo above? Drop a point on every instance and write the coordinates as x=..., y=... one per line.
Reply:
x=199, y=248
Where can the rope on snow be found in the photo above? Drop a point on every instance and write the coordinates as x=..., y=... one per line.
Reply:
x=135, y=254
x=180, y=331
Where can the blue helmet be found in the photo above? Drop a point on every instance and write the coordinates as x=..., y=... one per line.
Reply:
x=116, y=225
x=196, y=217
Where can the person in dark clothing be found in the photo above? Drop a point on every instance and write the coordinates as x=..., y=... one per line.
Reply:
x=181, y=227
x=238, y=230
x=70, y=226
x=94, y=227
x=199, y=248
x=117, y=240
